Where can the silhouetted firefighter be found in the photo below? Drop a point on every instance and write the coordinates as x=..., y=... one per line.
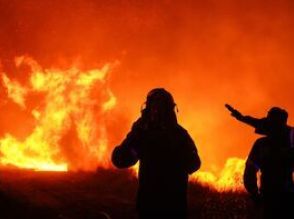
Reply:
x=167, y=156
x=273, y=156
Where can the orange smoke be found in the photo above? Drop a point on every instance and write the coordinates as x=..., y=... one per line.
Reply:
x=206, y=53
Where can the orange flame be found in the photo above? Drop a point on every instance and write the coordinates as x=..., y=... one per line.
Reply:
x=68, y=106
x=15, y=91
x=70, y=131
x=229, y=179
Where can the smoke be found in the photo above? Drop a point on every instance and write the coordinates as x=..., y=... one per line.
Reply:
x=207, y=53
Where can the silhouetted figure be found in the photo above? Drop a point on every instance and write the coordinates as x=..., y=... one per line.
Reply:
x=273, y=156
x=261, y=125
x=167, y=156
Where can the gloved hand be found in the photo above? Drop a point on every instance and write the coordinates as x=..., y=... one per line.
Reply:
x=135, y=137
x=235, y=113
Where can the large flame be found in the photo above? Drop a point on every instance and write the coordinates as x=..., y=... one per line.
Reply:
x=69, y=117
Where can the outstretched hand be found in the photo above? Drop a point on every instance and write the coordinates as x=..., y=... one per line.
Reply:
x=235, y=113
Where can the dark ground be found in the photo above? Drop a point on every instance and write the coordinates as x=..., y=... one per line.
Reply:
x=36, y=195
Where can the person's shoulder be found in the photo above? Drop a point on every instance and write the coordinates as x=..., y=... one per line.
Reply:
x=181, y=130
x=261, y=141
x=138, y=124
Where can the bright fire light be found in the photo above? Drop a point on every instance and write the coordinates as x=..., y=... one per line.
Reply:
x=69, y=130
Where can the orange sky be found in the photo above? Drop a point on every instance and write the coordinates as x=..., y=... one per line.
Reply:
x=207, y=53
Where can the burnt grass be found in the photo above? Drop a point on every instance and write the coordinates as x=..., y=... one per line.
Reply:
x=87, y=195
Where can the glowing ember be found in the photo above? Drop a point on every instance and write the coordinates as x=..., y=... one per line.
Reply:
x=69, y=130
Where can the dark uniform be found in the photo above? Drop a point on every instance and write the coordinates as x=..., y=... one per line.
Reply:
x=167, y=156
x=273, y=156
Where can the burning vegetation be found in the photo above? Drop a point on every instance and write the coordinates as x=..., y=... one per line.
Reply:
x=70, y=131
x=69, y=127
x=65, y=116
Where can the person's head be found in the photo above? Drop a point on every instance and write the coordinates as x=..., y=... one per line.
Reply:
x=160, y=107
x=277, y=119
x=277, y=116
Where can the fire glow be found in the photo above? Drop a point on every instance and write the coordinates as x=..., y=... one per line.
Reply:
x=71, y=117
x=230, y=178
x=68, y=106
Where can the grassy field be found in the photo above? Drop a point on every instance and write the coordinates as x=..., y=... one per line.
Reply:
x=28, y=194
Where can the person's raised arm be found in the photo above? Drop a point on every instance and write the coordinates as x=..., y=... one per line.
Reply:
x=258, y=124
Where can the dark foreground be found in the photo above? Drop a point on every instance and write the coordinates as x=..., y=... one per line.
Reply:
x=35, y=195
